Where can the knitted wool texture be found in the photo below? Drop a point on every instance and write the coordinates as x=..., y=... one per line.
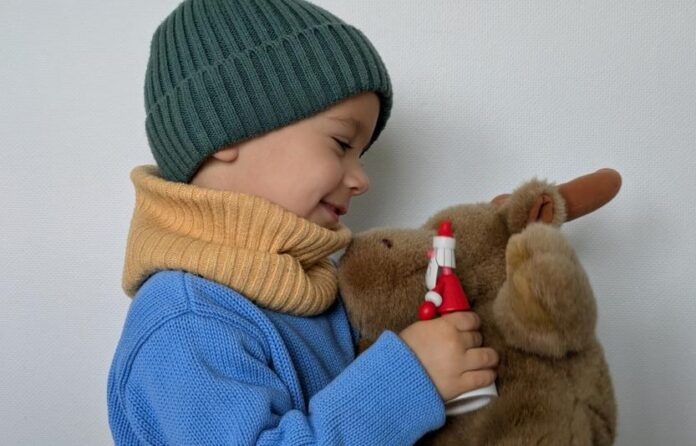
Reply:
x=222, y=71
x=275, y=258
x=198, y=364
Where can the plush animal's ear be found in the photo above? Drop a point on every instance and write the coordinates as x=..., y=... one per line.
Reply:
x=582, y=195
x=532, y=202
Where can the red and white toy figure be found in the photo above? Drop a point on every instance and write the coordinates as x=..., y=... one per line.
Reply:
x=445, y=294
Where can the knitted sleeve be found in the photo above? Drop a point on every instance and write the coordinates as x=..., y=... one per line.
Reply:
x=198, y=380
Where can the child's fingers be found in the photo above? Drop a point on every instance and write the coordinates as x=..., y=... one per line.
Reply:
x=463, y=320
x=476, y=379
x=471, y=339
x=480, y=358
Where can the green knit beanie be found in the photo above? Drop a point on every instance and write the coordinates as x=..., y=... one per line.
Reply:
x=222, y=71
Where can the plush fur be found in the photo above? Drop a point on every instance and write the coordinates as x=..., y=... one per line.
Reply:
x=537, y=308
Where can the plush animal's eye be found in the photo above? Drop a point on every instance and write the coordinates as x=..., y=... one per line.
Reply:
x=388, y=243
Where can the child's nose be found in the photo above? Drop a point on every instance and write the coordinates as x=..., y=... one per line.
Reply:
x=357, y=179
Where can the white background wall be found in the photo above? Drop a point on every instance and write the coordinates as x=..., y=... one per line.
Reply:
x=487, y=94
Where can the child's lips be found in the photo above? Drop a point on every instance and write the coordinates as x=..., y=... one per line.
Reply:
x=338, y=209
x=332, y=210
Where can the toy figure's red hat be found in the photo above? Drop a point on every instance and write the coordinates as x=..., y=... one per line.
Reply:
x=445, y=229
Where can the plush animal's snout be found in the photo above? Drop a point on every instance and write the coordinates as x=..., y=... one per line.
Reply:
x=388, y=243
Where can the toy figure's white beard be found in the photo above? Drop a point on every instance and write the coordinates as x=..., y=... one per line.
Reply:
x=445, y=257
x=431, y=274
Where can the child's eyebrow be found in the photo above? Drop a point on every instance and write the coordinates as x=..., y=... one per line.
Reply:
x=348, y=121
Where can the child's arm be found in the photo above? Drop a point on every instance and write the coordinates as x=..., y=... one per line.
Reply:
x=198, y=380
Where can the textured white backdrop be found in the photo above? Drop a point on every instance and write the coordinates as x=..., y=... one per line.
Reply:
x=487, y=95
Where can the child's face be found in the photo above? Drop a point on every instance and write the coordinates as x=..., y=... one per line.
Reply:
x=301, y=166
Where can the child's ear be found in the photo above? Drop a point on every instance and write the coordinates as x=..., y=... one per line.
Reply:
x=227, y=155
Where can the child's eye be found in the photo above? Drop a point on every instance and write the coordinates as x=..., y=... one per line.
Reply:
x=343, y=145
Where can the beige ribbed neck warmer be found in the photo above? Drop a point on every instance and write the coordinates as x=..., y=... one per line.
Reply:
x=266, y=252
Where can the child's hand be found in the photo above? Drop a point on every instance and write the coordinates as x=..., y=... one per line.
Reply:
x=446, y=348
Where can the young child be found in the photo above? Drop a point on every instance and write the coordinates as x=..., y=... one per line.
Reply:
x=258, y=113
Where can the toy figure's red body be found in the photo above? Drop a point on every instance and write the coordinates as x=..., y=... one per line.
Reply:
x=453, y=296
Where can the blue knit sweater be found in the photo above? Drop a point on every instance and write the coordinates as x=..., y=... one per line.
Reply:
x=197, y=363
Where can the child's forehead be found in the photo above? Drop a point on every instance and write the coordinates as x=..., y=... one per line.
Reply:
x=346, y=120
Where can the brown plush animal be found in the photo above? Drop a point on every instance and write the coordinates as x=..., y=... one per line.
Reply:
x=534, y=299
